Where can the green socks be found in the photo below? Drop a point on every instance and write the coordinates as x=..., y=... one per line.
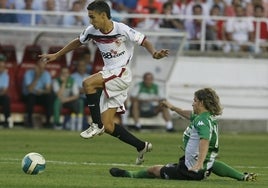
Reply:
x=221, y=169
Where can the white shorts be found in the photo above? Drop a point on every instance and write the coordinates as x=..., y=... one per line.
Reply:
x=115, y=89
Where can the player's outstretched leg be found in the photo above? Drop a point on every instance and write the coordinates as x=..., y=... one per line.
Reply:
x=221, y=169
x=142, y=147
x=117, y=172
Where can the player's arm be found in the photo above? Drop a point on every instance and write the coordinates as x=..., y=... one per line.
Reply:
x=155, y=54
x=203, y=150
x=69, y=47
x=184, y=113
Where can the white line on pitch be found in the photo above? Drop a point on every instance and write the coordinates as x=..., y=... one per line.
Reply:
x=109, y=164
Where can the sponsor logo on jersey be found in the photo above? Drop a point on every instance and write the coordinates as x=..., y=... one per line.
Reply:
x=200, y=123
x=112, y=54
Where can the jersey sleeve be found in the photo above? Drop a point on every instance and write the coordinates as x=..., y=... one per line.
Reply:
x=202, y=127
x=85, y=35
x=133, y=34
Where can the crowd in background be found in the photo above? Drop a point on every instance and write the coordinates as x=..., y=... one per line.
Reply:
x=52, y=91
x=67, y=88
x=237, y=31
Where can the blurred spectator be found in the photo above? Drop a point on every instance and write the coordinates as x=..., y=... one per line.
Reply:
x=66, y=5
x=265, y=6
x=193, y=28
x=89, y=64
x=220, y=3
x=182, y=4
x=251, y=6
x=50, y=19
x=177, y=7
x=145, y=99
x=37, y=90
x=79, y=75
x=148, y=7
x=84, y=4
x=263, y=29
x=145, y=6
x=190, y=7
x=4, y=98
x=67, y=96
x=170, y=22
x=26, y=19
x=6, y=17
x=114, y=13
x=19, y=4
x=230, y=8
x=75, y=20
x=149, y=23
x=84, y=54
x=239, y=31
x=214, y=29
x=126, y=6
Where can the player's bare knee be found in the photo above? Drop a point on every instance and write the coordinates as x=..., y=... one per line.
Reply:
x=87, y=83
x=109, y=128
x=154, y=170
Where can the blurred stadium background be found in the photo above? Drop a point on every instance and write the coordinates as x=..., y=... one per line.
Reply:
x=241, y=78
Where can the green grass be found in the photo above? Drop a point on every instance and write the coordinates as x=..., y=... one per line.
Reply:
x=74, y=162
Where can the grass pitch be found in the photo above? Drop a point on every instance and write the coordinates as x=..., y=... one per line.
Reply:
x=73, y=162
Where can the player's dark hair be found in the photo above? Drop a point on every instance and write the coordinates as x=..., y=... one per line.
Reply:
x=100, y=6
x=210, y=99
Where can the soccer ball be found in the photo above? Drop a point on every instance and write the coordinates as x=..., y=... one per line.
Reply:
x=33, y=163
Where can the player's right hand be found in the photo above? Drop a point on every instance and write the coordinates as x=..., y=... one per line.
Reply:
x=46, y=58
x=165, y=103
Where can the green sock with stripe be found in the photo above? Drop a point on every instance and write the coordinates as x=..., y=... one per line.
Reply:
x=221, y=169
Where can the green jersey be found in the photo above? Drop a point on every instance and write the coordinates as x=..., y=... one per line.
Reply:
x=143, y=92
x=71, y=87
x=202, y=126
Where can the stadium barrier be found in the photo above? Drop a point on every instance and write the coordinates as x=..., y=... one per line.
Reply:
x=202, y=41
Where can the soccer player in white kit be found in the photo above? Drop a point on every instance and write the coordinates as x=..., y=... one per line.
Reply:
x=116, y=42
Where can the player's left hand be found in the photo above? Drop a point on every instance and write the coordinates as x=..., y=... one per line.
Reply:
x=160, y=54
x=196, y=168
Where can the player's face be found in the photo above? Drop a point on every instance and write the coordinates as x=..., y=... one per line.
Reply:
x=96, y=19
x=196, y=105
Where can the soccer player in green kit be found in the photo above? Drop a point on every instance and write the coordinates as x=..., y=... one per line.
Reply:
x=201, y=147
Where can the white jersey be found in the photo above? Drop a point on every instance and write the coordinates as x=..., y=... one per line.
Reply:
x=117, y=46
x=239, y=28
